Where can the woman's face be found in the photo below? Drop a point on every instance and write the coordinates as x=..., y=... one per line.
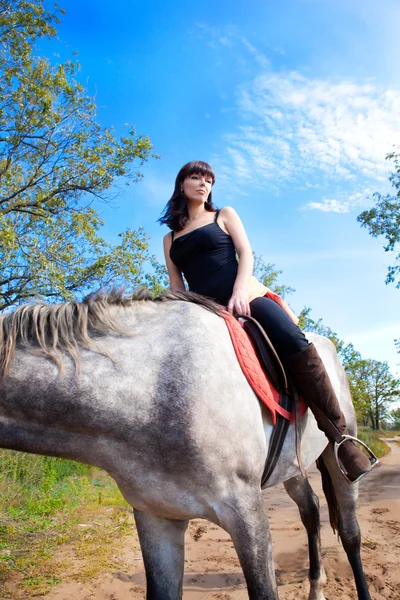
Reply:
x=197, y=187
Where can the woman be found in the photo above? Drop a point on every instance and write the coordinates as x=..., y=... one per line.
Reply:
x=202, y=246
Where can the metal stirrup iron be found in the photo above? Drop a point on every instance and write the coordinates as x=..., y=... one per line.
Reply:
x=372, y=458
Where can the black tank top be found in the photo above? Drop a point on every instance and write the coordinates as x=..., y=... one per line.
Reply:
x=207, y=258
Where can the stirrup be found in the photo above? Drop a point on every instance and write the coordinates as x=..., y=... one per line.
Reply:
x=372, y=458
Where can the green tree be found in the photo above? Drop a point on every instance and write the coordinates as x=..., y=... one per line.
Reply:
x=384, y=219
x=55, y=161
x=395, y=419
x=346, y=351
x=268, y=275
x=373, y=388
x=351, y=360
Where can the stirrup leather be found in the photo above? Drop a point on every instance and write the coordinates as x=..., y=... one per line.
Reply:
x=372, y=458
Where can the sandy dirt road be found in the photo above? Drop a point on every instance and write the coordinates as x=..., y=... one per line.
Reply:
x=212, y=569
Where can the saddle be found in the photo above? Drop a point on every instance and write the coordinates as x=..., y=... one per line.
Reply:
x=266, y=375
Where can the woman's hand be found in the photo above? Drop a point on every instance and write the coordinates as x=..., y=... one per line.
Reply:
x=239, y=302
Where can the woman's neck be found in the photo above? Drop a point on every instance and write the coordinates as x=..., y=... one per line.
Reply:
x=196, y=212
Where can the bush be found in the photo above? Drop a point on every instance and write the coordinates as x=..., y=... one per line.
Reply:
x=371, y=438
x=32, y=485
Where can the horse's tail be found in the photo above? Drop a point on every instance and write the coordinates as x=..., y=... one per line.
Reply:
x=330, y=494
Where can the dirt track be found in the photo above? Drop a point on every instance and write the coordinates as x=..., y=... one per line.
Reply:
x=212, y=569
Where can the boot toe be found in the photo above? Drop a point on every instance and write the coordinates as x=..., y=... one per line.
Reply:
x=355, y=462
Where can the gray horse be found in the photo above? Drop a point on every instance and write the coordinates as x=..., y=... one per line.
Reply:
x=151, y=391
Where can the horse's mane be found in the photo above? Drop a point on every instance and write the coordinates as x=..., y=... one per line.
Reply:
x=53, y=329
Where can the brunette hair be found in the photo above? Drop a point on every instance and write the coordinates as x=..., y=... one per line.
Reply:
x=175, y=214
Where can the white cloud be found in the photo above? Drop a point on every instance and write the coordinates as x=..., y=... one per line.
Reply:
x=294, y=129
x=227, y=37
x=343, y=205
x=328, y=206
x=262, y=60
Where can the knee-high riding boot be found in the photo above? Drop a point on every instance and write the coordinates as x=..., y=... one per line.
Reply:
x=312, y=381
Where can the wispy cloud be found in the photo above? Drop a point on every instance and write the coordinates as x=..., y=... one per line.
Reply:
x=229, y=36
x=328, y=206
x=294, y=130
x=260, y=58
x=340, y=205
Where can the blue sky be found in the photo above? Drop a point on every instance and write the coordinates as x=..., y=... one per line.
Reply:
x=295, y=105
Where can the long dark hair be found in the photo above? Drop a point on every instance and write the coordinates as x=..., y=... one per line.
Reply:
x=175, y=214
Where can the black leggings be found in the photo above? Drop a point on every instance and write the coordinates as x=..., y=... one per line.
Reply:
x=286, y=337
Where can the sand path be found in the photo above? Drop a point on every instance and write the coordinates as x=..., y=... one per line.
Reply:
x=212, y=569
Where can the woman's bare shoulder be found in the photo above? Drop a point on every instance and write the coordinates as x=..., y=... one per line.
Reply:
x=167, y=239
x=227, y=210
x=227, y=213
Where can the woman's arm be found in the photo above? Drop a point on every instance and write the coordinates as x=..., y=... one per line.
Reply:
x=175, y=276
x=234, y=226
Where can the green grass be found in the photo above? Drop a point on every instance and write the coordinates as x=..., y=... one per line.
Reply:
x=57, y=517
x=371, y=438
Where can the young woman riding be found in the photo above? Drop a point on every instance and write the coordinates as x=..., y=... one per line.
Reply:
x=202, y=246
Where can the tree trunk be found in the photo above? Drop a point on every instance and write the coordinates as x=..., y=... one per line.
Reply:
x=372, y=419
x=377, y=415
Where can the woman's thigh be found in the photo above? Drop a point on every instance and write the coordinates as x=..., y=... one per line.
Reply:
x=286, y=337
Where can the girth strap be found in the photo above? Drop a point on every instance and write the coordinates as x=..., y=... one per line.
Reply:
x=277, y=439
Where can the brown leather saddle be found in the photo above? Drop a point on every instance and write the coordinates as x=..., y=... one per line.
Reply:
x=288, y=396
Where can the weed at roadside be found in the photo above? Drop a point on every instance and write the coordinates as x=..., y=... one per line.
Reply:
x=372, y=439
x=57, y=517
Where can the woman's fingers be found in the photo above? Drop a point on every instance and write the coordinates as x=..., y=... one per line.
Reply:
x=246, y=310
x=240, y=305
x=243, y=308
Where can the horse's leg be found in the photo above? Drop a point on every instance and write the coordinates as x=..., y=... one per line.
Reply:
x=162, y=544
x=301, y=492
x=245, y=520
x=342, y=502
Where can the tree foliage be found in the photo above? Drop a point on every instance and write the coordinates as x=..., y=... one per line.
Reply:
x=384, y=219
x=268, y=275
x=55, y=160
x=395, y=419
x=373, y=388
x=346, y=351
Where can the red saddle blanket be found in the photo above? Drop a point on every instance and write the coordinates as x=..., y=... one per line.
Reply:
x=253, y=371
